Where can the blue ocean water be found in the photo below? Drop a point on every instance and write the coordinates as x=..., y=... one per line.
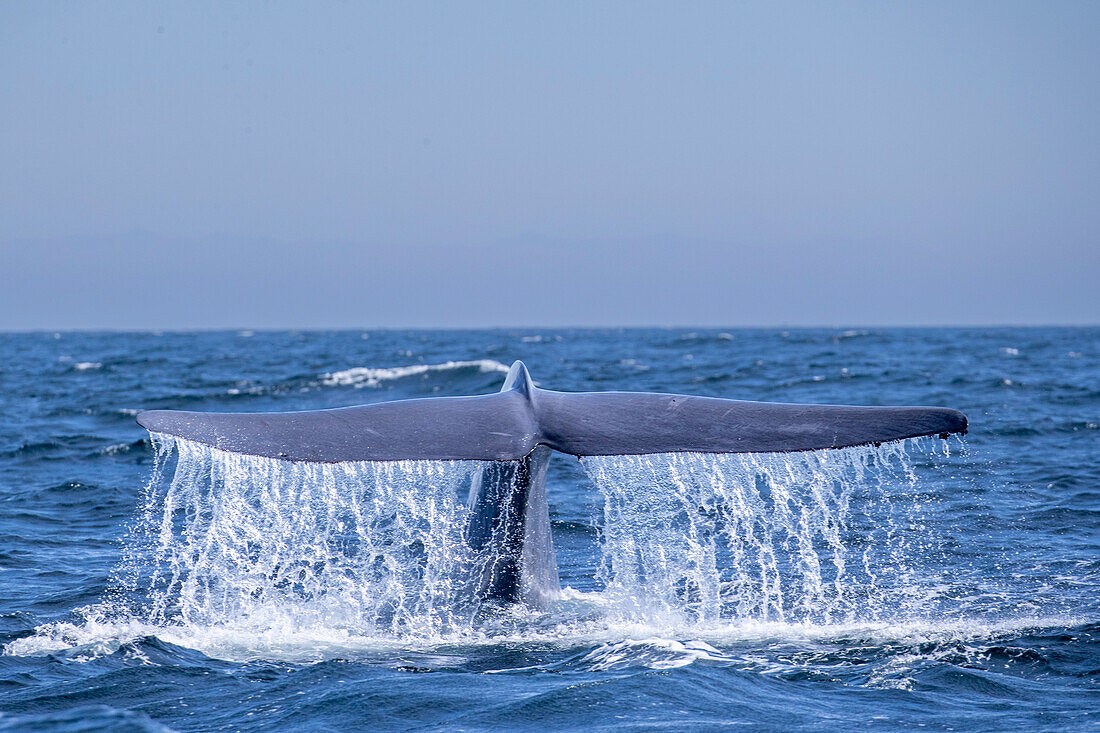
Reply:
x=946, y=585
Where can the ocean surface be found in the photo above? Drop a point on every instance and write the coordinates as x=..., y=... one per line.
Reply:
x=150, y=584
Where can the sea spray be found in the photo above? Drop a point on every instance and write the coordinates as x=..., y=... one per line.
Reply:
x=232, y=540
x=817, y=537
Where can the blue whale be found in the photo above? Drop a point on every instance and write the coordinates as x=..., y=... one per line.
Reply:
x=517, y=428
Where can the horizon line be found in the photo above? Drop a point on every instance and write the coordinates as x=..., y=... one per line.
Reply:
x=315, y=329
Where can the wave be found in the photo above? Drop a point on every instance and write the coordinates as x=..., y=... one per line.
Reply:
x=603, y=645
x=117, y=449
x=55, y=448
x=357, y=378
x=373, y=376
x=84, y=717
x=653, y=653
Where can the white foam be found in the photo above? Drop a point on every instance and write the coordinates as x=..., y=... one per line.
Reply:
x=372, y=377
x=654, y=653
x=614, y=644
x=85, y=365
x=114, y=449
x=850, y=334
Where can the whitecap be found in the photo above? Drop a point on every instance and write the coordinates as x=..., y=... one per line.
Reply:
x=654, y=653
x=373, y=376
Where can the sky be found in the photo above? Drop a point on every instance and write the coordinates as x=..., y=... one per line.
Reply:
x=347, y=165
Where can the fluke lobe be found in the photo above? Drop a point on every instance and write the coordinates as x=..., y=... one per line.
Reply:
x=517, y=427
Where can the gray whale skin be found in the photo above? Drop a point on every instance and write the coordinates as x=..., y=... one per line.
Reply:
x=515, y=429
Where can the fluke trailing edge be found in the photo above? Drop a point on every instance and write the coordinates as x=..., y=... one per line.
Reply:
x=510, y=424
x=509, y=520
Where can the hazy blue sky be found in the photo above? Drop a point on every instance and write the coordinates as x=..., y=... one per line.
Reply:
x=477, y=164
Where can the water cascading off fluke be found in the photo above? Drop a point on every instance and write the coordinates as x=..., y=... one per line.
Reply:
x=499, y=443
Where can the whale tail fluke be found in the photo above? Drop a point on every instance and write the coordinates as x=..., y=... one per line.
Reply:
x=510, y=424
x=514, y=429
